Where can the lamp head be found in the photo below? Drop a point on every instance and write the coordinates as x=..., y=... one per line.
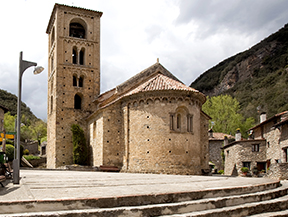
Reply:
x=38, y=70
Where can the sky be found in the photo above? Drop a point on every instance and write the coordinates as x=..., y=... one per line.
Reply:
x=187, y=36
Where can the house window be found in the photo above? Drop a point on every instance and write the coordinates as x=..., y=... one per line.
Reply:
x=255, y=147
x=246, y=164
x=285, y=154
x=77, y=102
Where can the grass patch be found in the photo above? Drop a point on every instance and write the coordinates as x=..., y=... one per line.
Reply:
x=31, y=157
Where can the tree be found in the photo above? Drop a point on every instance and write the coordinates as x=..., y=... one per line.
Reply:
x=39, y=129
x=225, y=113
x=30, y=130
x=9, y=122
x=80, y=151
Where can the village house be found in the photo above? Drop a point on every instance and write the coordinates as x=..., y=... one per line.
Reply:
x=265, y=151
x=150, y=123
x=216, y=143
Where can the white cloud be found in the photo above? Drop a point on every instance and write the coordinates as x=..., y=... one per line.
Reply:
x=189, y=37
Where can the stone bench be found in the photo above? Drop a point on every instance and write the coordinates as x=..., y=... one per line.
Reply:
x=105, y=168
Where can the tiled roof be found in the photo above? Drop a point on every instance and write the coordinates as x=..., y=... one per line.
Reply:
x=270, y=119
x=161, y=82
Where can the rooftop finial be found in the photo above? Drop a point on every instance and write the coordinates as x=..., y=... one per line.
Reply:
x=157, y=60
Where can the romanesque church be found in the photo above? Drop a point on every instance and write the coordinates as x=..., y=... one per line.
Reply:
x=151, y=123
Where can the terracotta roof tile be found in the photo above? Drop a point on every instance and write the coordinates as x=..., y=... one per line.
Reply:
x=160, y=82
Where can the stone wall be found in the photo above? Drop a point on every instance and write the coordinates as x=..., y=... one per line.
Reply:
x=215, y=156
x=278, y=171
x=32, y=147
x=153, y=146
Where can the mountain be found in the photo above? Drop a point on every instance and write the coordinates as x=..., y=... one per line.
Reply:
x=257, y=77
x=9, y=101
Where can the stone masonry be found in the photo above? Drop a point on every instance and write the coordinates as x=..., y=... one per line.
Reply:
x=151, y=123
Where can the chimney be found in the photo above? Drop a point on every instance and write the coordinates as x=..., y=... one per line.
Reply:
x=238, y=135
x=210, y=133
x=262, y=117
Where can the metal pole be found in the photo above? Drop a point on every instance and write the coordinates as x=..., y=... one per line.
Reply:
x=23, y=65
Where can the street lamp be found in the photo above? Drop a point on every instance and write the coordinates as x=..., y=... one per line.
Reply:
x=23, y=65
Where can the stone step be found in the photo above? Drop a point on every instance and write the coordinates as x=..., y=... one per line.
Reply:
x=183, y=207
x=272, y=214
x=124, y=201
x=249, y=209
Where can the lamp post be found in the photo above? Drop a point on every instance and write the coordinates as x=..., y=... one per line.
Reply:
x=23, y=65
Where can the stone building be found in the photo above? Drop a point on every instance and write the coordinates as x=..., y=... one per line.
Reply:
x=150, y=123
x=216, y=143
x=266, y=150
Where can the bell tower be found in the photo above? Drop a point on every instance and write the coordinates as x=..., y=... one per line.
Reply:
x=73, y=76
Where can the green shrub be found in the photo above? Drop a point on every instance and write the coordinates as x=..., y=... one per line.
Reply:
x=244, y=170
x=10, y=152
x=80, y=151
x=26, y=152
x=31, y=157
x=221, y=172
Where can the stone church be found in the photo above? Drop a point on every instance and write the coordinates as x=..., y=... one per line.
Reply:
x=151, y=123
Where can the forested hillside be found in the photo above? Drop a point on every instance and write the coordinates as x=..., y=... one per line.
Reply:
x=9, y=101
x=257, y=78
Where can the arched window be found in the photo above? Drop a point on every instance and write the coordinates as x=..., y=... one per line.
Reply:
x=77, y=102
x=74, y=55
x=51, y=105
x=74, y=81
x=81, y=56
x=76, y=30
x=171, y=121
x=189, y=123
x=81, y=79
x=178, y=121
x=52, y=36
x=52, y=63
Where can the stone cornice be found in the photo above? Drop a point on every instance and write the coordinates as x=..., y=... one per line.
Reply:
x=78, y=40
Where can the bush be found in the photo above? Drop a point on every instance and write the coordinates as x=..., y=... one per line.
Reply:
x=244, y=170
x=221, y=172
x=10, y=152
x=80, y=151
x=26, y=152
